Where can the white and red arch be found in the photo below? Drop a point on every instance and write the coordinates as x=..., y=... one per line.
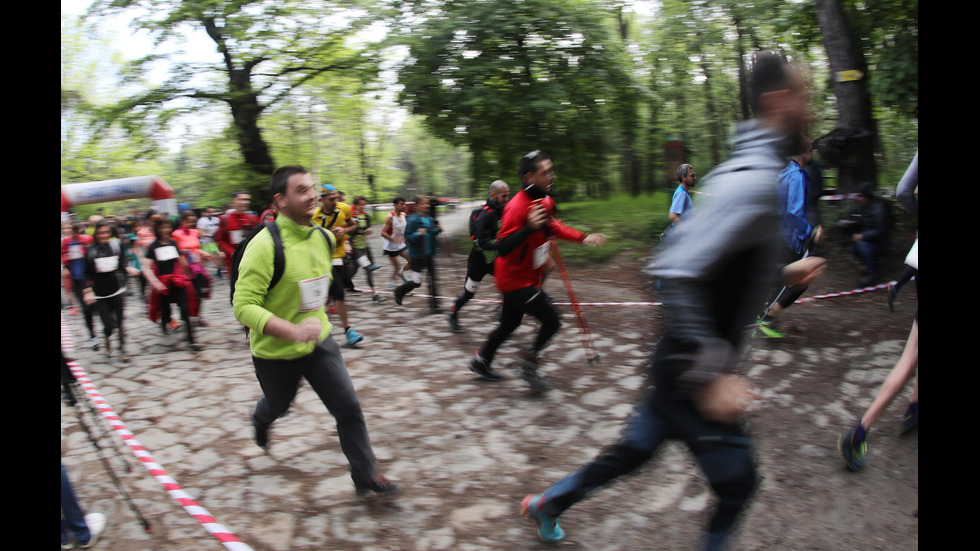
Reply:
x=104, y=191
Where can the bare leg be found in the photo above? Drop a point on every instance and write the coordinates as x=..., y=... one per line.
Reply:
x=896, y=379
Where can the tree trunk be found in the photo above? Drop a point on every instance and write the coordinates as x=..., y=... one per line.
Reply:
x=849, y=70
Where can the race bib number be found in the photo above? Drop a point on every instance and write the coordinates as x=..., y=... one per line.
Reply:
x=541, y=254
x=106, y=264
x=313, y=293
x=75, y=252
x=166, y=253
x=235, y=237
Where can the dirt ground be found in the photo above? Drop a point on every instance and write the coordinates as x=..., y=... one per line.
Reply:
x=467, y=451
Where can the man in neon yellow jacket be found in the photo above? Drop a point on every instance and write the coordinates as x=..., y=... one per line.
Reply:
x=290, y=335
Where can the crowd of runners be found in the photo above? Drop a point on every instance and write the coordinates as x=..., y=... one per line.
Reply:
x=727, y=266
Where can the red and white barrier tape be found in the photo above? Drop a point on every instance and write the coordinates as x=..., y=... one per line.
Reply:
x=798, y=301
x=208, y=522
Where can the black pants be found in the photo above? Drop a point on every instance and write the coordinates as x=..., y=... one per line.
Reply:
x=517, y=303
x=327, y=374
x=111, y=312
x=177, y=295
x=477, y=268
x=418, y=266
x=78, y=288
x=356, y=254
x=723, y=451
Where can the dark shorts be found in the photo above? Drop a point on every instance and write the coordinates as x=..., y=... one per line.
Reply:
x=394, y=253
x=337, y=282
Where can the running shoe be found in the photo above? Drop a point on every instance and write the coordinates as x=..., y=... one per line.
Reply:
x=96, y=525
x=537, y=383
x=353, y=337
x=125, y=358
x=548, y=529
x=892, y=295
x=73, y=310
x=454, y=324
x=175, y=325
x=378, y=485
x=910, y=420
x=398, y=297
x=529, y=372
x=94, y=343
x=479, y=366
x=768, y=329
x=373, y=267
x=378, y=298
x=853, y=452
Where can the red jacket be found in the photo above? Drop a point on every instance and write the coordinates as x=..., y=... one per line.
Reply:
x=234, y=227
x=524, y=265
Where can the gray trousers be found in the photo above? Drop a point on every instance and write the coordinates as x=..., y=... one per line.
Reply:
x=327, y=374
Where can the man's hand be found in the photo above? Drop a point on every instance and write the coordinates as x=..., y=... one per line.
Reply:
x=595, y=240
x=537, y=216
x=803, y=271
x=307, y=330
x=725, y=399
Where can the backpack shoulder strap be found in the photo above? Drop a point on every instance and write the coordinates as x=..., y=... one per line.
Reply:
x=279, y=256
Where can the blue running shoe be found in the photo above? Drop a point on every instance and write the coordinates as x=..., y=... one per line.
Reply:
x=353, y=337
x=548, y=528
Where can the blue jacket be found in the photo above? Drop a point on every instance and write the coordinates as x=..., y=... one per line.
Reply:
x=793, y=186
x=419, y=245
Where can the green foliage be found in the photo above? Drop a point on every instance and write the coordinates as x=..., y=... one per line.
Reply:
x=508, y=77
x=597, y=85
x=631, y=224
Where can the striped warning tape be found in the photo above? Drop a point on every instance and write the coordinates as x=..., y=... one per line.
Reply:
x=208, y=522
x=798, y=301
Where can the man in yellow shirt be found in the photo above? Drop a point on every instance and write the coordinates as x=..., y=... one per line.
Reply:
x=337, y=217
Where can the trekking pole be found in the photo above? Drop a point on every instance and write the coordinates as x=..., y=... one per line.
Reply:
x=583, y=327
x=67, y=382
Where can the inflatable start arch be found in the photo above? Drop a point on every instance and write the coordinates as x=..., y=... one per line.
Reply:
x=104, y=191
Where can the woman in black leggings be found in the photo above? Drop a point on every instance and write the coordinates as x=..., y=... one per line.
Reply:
x=105, y=267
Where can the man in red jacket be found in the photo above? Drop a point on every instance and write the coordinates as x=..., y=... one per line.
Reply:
x=235, y=225
x=524, y=257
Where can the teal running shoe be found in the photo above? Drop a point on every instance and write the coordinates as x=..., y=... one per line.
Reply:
x=353, y=337
x=548, y=529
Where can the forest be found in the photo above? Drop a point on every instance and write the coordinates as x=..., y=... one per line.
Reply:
x=441, y=97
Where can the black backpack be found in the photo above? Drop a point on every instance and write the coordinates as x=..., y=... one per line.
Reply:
x=279, y=258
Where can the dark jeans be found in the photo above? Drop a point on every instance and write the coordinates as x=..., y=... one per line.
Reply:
x=868, y=254
x=723, y=451
x=72, y=516
x=327, y=374
x=516, y=303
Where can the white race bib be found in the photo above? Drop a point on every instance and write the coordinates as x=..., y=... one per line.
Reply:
x=541, y=254
x=75, y=251
x=165, y=253
x=106, y=264
x=235, y=237
x=313, y=293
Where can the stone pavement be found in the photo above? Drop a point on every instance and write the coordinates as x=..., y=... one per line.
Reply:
x=465, y=450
